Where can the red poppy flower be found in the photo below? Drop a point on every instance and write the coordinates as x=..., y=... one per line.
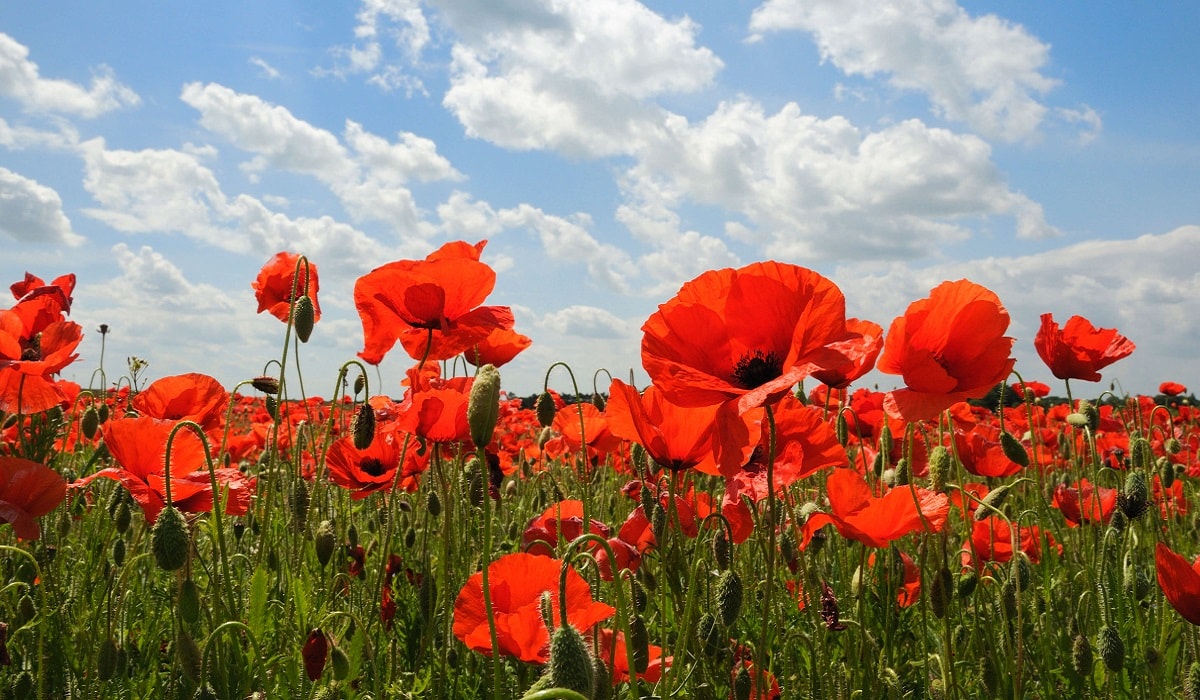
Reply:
x=703, y=438
x=948, y=348
x=32, y=287
x=1079, y=349
x=581, y=423
x=804, y=445
x=364, y=472
x=28, y=491
x=315, y=653
x=273, y=287
x=439, y=412
x=1084, y=503
x=1172, y=388
x=1039, y=389
x=617, y=659
x=877, y=521
x=498, y=348
x=34, y=346
x=195, y=397
x=747, y=336
x=909, y=588
x=517, y=582
x=564, y=518
x=992, y=540
x=870, y=339
x=433, y=302
x=980, y=452
x=139, y=446
x=1179, y=581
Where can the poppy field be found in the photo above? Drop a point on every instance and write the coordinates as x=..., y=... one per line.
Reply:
x=749, y=524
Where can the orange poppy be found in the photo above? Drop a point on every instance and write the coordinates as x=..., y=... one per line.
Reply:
x=139, y=445
x=28, y=490
x=273, y=286
x=33, y=348
x=32, y=286
x=876, y=521
x=948, y=348
x=1079, y=349
x=564, y=519
x=438, y=412
x=498, y=348
x=747, y=336
x=193, y=396
x=612, y=652
x=909, y=588
x=679, y=438
x=804, y=444
x=980, y=452
x=517, y=582
x=1172, y=388
x=581, y=423
x=1179, y=581
x=431, y=306
x=992, y=540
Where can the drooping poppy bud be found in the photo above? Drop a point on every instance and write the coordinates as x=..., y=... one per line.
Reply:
x=169, y=540
x=939, y=592
x=545, y=408
x=992, y=502
x=106, y=659
x=1136, y=498
x=189, y=655
x=1013, y=449
x=299, y=503
x=570, y=663
x=483, y=405
x=324, y=541
x=340, y=663
x=364, y=426
x=639, y=637
x=729, y=597
x=266, y=384
x=315, y=653
x=939, y=468
x=189, y=601
x=89, y=423
x=708, y=633
x=722, y=550
x=304, y=318
x=1112, y=649
x=1081, y=656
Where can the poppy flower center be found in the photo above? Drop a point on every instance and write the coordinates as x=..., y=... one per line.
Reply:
x=372, y=466
x=32, y=350
x=756, y=368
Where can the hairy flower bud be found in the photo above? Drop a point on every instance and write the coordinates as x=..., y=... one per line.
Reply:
x=545, y=408
x=266, y=384
x=570, y=663
x=189, y=656
x=708, y=633
x=324, y=542
x=304, y=318
x=1013, y=449
x=483, y=405
x=1112, y=649
x=189, y=601
x=363, y=426
x=315, y=653
x=729, y=597
x=1081, y=656
x=1135, y=499
x=639, y=638
x=939, y=592
x=939, y=468
x=89, y=423
x=722, y=549
x=169, y=539
x=992, y=502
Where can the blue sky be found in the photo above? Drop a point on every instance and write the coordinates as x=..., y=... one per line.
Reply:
x=609, y=151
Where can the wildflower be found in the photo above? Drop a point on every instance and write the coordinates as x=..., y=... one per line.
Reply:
x=877, y=521
x=745, y=337
x=1079, y=350
x=991, y=540
x=365, y=471
x=194, y=397
x=870, y=339
x=35, y=344
x=1172, y=388
x=948, y=348
x=28, y=490
x=498, y=348
x=517, y=582
x=1084, y=503
x=273, y=287
x=1179, y=581
x=432, y=306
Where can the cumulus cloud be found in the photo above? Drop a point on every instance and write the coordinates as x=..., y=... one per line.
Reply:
x=405, y=24
x=586, y=322
x=30, y=212
x=20, y=79
x=1146, y=287
x=984, y=71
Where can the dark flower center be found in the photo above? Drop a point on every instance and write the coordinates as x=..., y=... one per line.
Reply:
x=372, y=466
x=754, y=369
x=31, y=351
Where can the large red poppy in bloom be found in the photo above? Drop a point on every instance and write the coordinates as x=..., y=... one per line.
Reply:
x=1172, y=388
x=517, y=582
x=1079, y=350
x=1179, y=581
x=35, y=344
x=431, y=306
x=500, y=347
x=876, y=521
x=28, y=491
x=273, y=287
x=870, y=338
x=364, y=472
x=679, y=438
x=745, y=337
x=948, y=348
x=139, y=447
x=1084, y=503
x=195, y=397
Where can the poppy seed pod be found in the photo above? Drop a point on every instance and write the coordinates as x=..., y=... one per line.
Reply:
x=364, y=426
x=483, y=405
x=169, y=539
x=570, y=663
x=1136, y=499
x=304, y=318
x=992, y=502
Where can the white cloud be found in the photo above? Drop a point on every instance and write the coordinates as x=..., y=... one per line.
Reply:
x=400, y=20
x=30, y=212
x=984, y=71
x=20, y=137
x=20, y=80
x=265, y=70
x=568, y=240
x=586, y=322
x=411, y=158
x=1147, y=288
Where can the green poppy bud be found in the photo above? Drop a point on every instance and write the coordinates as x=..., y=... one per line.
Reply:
x=118, y=552
x=722, y=549
x=939, y=468
x=304, y=317
x=1081, y=656
x=299, y=503
x=640, y=641
x=266, y=384
x=729, y=597
x=106, y=660
x=708, y=633
x=1141, y=455
x=89, y=423
x=743, y=685
x=189, y=656
x=324, y=541
x=1013, y=449
x=1191, y=684
x=939, y=592
x=360, y=383
x=189, y=601
x=340, y=663
x=1135, y=500
x=993, y=500
x=363, y=426
x=570, y=663
x=1112, y=649
x=545, y=408
x=483, y=405
x=169, y=540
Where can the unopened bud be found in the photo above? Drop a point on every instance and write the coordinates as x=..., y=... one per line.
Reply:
x=570, y=663
x=992, y=502
x=729, y=597
x=939, y=468
x=266, y=384
x=1013, y=449
x=89, y=423
x=324, y=541
x=189, y=656
x=545, y=408
x=1135, y=499
x=169, y=539
x=315, y=653
x=189, y=601
x=483, y=405
x=1081, y=656
x=364, y=426
x=1112, y=649
x=304, y=317
x=360, y=383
